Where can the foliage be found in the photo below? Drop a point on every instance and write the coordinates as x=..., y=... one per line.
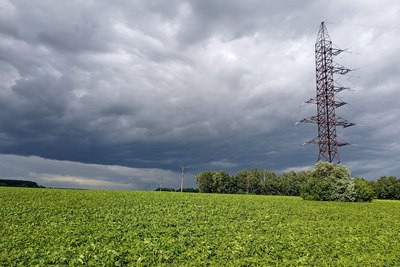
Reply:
x=291, y=182
x=364, y=190
x=204, y=181
x=165, y=189
x=215, y=182
x=329, y=182
x=54, y=227
x=387, y=187
x=170, y=189
x=18, y=183
x=318, y=189
x=249, y=181
x=220, y=182
x=272, y=184
x=188, y=190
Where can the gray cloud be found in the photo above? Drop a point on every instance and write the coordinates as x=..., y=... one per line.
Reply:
x=213, y=84
x=54, y=173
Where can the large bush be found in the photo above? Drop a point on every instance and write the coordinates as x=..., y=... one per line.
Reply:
x=332, y=182
x=329, y=182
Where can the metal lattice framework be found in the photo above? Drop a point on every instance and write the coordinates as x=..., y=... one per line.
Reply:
x=326, y=102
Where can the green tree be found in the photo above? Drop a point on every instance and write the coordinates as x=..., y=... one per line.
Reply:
x=271, y=183
x=221, y=182
x=329, y=182
x=387, y=187
x=256, y=181
x=364, y=190
x=18, y=183
x=291, y=182
x=317, y=189
x=249, y=182
x=204, y=182
x=241, y=181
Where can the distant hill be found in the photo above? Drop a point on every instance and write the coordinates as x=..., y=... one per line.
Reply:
x=19, y=183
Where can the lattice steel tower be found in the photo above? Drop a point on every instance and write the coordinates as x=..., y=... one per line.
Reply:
x=326, y=102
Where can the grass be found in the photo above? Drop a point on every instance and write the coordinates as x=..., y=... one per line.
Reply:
x=126, y=228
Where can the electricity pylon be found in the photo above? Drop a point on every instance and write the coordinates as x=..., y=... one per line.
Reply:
x=326, y=102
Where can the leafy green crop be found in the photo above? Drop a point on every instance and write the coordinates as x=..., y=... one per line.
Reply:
x=42, y=227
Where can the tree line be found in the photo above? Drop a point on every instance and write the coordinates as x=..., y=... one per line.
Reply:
x=324, y=182
x=171, y=189
x=18, y=183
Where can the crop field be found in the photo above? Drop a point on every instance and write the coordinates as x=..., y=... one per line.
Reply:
x=42, y=227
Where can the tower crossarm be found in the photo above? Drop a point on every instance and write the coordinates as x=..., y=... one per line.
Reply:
x=344, y=144
x=340, y=88
x=340, y=103
x=339, y=69
x=337, y=51
x=313, y=119
x=344, y=123
x=311, y=101
x=315, y=141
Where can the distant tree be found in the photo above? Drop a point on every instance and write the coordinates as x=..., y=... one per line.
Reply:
x=240, y=182
x=271, y=183
x=329, y=182
x=364, y=190
x=215, y=182
x=204, y=181
x=231, y=186
x=387, y=187
x=326, y=182
x=18, y=183
x=188, y=190
x=256, y=181
x=291, y=182
x=249, y=182
x=221, y=182
x=317, y=189
x=165, y=189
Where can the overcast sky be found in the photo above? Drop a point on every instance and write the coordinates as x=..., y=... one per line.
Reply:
x=119, y=94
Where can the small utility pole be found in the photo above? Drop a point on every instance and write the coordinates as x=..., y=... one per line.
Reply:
x=182, y=175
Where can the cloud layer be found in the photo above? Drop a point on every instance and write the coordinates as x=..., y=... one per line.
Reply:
x=67, y=174
x=154, y=84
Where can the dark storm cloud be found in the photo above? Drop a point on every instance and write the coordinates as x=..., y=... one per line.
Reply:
x=214, y=84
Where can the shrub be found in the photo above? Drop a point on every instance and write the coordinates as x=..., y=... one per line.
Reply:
x=332, y=182
x=364, y=190
x=317, y=189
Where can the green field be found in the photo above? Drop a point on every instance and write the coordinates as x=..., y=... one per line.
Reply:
x=126, y=228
